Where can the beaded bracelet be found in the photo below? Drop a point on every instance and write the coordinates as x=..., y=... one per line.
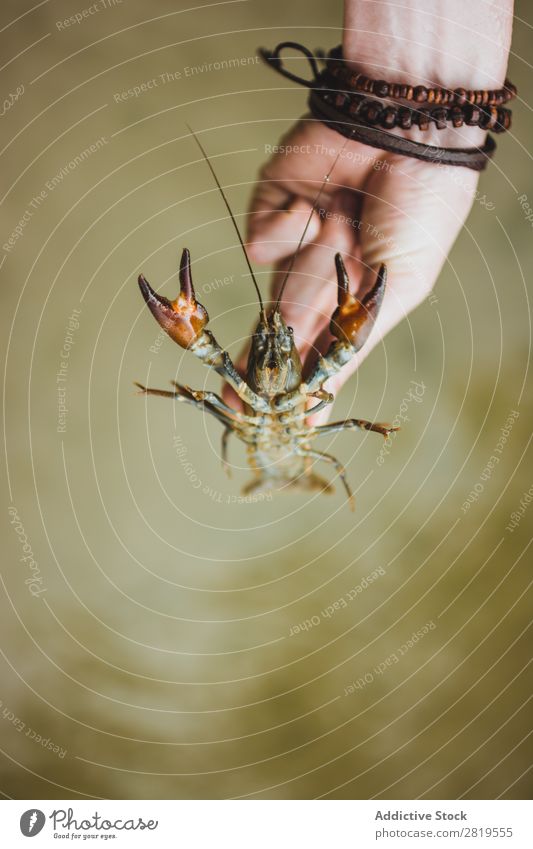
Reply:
x=495, y=118
x=338, y=70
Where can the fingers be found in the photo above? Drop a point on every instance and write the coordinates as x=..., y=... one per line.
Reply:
x=310, y=294
x=289, y=184
x=409, y=220
x=275, y=235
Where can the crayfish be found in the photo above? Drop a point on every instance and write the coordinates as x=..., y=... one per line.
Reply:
x=275, y=398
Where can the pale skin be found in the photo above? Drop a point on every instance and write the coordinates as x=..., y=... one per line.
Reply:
x=379, y=207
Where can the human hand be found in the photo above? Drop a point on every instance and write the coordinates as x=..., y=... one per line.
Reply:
x=378, y=206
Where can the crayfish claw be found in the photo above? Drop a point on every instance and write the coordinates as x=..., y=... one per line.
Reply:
x=353, y=320
x=183, y=319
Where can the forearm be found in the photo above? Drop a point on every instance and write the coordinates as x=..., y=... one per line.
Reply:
x=447, y=43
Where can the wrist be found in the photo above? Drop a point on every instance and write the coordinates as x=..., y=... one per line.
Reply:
x=449, y=44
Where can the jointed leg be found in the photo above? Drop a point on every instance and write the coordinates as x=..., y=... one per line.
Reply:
x=352, y=424
x=165, y=393
x=326, y=398
x=216, y=401
x=183, y=393
x=329, y=458
x=225, y=465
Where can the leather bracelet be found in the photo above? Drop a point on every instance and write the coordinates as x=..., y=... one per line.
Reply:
x=475, y=158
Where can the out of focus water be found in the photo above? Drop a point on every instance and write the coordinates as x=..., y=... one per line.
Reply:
x=156, y=652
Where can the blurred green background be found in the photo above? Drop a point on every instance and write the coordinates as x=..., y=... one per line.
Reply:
x=152, y=655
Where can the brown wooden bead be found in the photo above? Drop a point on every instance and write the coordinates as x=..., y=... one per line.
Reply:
x=409, y=95
x=492, y=113
x=423, y=121
x=472, y=115
x=456, y=115
x=420, y=94
x=439, y=95
x=440, y=115
x=381, y=88
x=405, y=117
x=403, y=91
x=373, y=113
x=460, y=96
x=484, y=118
x=388, y=117
x=504, y=120
x=431, y=95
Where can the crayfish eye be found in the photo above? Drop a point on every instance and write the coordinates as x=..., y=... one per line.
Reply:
x=259, y=342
